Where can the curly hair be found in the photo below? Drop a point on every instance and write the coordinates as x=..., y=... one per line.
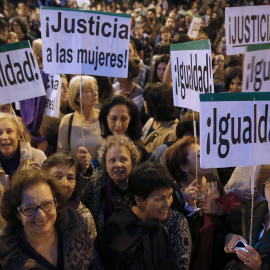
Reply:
x=21, y=181
x=134, y=131
x=118, y=140
x=159, y=100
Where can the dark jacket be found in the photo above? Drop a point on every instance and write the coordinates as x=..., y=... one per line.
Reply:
x=77, y=246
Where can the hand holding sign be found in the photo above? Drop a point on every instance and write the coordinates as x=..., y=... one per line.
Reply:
x=84, y=159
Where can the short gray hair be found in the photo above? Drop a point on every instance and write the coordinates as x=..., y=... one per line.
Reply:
x=119, y=140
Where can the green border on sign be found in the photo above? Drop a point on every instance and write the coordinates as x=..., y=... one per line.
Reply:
x=14, y=46
x=191, y=45
x=235, y=96
x=258, y=47
x=89, y=11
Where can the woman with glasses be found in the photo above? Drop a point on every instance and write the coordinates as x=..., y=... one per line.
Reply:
x=41, y=233
x=256, y=255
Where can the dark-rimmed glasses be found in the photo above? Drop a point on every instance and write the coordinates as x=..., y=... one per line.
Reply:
x=31, y=210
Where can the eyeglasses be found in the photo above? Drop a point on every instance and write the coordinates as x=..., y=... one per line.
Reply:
x=267, y=185
x=30, y=211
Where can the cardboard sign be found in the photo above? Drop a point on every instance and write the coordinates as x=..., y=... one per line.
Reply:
x=191, y=72
x=246, y=26
x=235, y=129
x=194, y=27
x=256, y=68
x=20, y=77
x=85, y=42
x=53, y=95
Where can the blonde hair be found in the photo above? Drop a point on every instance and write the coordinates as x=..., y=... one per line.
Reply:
x=36, y=45
x=74, y=89
x=21, y=129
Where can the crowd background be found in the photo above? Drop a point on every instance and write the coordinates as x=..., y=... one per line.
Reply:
x=125, y=195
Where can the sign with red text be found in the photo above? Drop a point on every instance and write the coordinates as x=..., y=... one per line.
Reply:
x=85, y=42
x=236, y=129
x=20, y=77
x=191, y=64
x=256, y=68
x=246, y=26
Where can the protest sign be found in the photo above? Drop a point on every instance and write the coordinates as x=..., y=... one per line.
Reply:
x=85, y=42
x=256, y=68
x=235, y=129
x=53, y=95
x=194, y=27
x=246, y=26
x=20, y=77
x=191, y=72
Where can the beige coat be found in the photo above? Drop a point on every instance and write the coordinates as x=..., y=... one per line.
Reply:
x=162, y=135
x=28, y=155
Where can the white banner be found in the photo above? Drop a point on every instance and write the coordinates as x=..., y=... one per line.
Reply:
x=256, y=69
x=20, y=77
x=194, y=27
x=235, y=129
x=246, y=26
x=53, y=95
x=191, y=72
x=85, y=42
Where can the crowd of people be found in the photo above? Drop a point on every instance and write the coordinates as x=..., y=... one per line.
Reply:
x=115, y=181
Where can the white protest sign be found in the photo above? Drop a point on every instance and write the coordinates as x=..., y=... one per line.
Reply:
x=191, y=72
x=53, y=95
x=256, y=68
x=194, y=27
x=20, y=77
x=236, y=129
x=85, y=42
x=246, y=26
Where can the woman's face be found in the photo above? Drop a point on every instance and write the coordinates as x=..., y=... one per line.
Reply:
x=89, y=96
x=17, y=28
x=166, y=36
x=236, y=85
x=41, y=222
x=12, y=39
x=118, y=119
x=191, y=161
x=160, y=70
x=9, y=138
x=267, y=191
x=64, y=90
x=66, y=176
x=119, y=165
x=157, y=204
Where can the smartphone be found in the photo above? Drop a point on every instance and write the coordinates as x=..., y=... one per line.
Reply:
x=240, y=245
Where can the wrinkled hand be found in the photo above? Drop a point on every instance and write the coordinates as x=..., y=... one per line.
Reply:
x=209, y=207
x=230, y=242
x=252, y=258
x=245, y=193
x=35, y=165
x=191, y=193
x=84, y=159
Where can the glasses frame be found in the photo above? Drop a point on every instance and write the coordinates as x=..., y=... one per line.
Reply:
x=266, y=186
x=36, y=208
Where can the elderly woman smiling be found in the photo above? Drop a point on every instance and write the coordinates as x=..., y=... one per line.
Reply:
x=41, y=233
x=108, y=185
x=16, y=152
